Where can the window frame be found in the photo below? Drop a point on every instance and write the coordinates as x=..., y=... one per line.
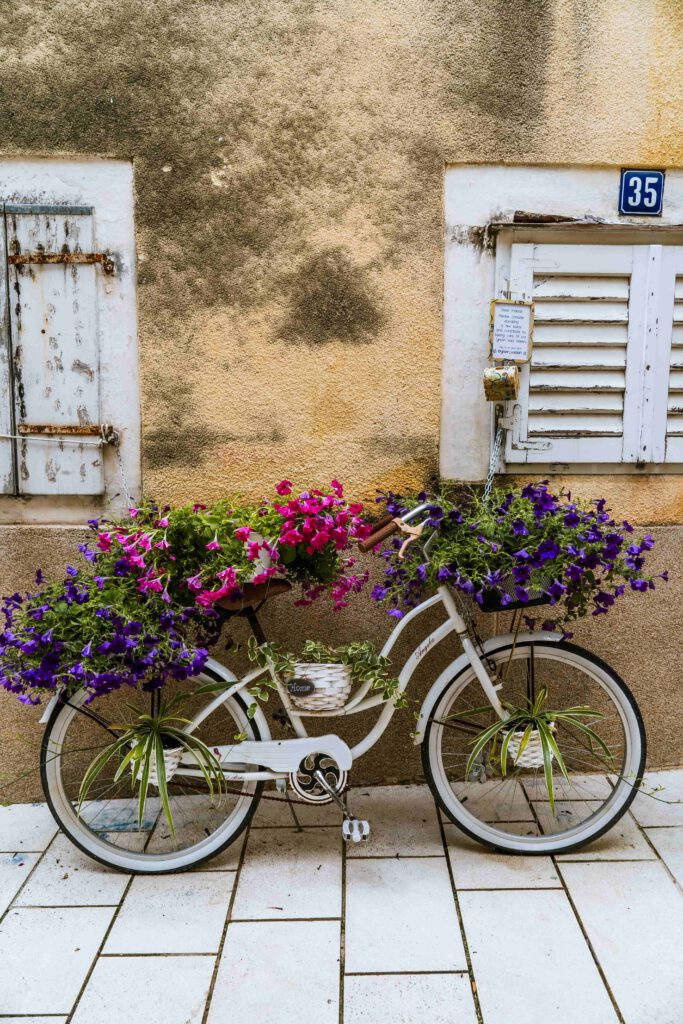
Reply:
x=486, y=206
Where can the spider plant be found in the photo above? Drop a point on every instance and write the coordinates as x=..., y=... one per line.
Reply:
x=535, y=719
x=141, y=747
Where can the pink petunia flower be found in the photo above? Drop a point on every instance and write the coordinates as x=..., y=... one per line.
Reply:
x=337, y=488
x=213, y=545
x=243, y=533
x=284, y=487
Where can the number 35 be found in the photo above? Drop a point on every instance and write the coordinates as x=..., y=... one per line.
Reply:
x=643, y=191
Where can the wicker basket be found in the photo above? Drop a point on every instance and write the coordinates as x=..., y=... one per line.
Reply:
x=532, y=755
x=315, y=687
x=172, y=760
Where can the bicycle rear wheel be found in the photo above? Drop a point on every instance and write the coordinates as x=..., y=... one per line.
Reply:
x=512, y=811
x=106, y=827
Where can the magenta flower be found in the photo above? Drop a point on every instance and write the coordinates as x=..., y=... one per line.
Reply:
x=337, y=488
x=213, y=545
x=284, y=487
x=195, y=582
x=243, y=533
x=133, y=513
x=253, y=550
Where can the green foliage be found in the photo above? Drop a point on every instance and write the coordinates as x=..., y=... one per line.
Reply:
x=535, y=717
x=367, y=666
x=141, y=746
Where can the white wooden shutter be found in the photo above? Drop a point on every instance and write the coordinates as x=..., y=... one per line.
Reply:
x=580, y=397
x=674, y=384
x=7, y=451
x=55, y=350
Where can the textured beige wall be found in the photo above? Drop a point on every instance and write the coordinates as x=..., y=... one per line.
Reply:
x=289, y=165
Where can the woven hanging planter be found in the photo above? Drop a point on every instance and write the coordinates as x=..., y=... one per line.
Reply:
x=532, y=755
x=172, y=758
x=320, y=687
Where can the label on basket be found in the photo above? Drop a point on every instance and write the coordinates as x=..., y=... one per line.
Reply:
x=300, y=687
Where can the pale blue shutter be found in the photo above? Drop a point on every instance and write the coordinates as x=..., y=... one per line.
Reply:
x=55, y=350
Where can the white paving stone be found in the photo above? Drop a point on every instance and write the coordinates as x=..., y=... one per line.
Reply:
x=663, y=806
x=400, y=916
x=67, y=877
x=164, y=989
x=290, y=874
x=633, y=914
x=408, y=999
x=475, y=867
x=527, y=948
x=182, y=913
x=273, y=811
x=26, y=827
x=580, y=787
x=46, y=955
x=668, y=842
x=403, y=822
x=624, y=841
x=14, y=870
x=495, y=800
x=283, y=972
x=32, y=1020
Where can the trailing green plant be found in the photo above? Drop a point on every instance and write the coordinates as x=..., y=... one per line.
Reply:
x=141, y=748
x=524, y=722
x=367, y=666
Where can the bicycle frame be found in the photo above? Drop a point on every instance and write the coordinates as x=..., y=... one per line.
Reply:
x=363, y=700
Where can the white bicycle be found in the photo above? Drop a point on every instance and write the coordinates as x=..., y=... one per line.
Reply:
x=502, y=805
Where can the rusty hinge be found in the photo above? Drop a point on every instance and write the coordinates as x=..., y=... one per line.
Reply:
x=71, y=258
x=106, y=433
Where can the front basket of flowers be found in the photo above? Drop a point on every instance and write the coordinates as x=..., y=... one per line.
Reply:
x=514, y=549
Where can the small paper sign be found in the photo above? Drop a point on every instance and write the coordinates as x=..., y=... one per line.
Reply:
x=510, y=331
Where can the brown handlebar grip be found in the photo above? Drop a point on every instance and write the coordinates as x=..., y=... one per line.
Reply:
x=378, y=536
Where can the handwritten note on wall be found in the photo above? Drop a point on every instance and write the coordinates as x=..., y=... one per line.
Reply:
x=511, y=324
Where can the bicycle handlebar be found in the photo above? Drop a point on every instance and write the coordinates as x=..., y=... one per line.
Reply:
x=383, y=529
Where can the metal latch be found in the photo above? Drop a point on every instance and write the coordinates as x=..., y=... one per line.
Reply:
x=71, y=258
x=104, y=431
x=513, y=423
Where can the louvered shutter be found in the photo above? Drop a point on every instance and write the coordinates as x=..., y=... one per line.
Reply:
x=55, y=351
x=674, y=389
x=580, y=396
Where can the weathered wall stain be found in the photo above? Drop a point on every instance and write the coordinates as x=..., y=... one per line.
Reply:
x=330, y=299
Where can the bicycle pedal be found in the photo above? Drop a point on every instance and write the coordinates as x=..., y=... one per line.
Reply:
x=355, y=830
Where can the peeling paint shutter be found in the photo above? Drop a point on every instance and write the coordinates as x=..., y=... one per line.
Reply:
x=674, y=390
x=7, y=463
x=55, y=351
x=581, y=396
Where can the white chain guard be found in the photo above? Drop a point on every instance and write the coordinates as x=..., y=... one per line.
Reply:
x=284, y=755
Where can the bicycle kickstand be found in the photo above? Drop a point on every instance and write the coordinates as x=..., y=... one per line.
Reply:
x=354, y=829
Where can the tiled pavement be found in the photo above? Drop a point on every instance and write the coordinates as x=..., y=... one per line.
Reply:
x=418, y=925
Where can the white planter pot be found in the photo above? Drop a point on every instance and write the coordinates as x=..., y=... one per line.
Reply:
x=532, y=755
x=172, y=759
x=327, y=686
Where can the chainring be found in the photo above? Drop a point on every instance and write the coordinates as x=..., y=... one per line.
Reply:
x=305, y=785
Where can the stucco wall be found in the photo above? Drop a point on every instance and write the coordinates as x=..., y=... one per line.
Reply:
x=289, y=162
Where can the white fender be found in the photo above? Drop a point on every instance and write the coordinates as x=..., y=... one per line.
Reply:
x=461, y=663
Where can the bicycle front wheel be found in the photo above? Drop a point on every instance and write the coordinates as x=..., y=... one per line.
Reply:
x=107, y=825
x=512, y=807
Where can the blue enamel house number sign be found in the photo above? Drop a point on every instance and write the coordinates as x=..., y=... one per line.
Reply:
x=641, y=193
